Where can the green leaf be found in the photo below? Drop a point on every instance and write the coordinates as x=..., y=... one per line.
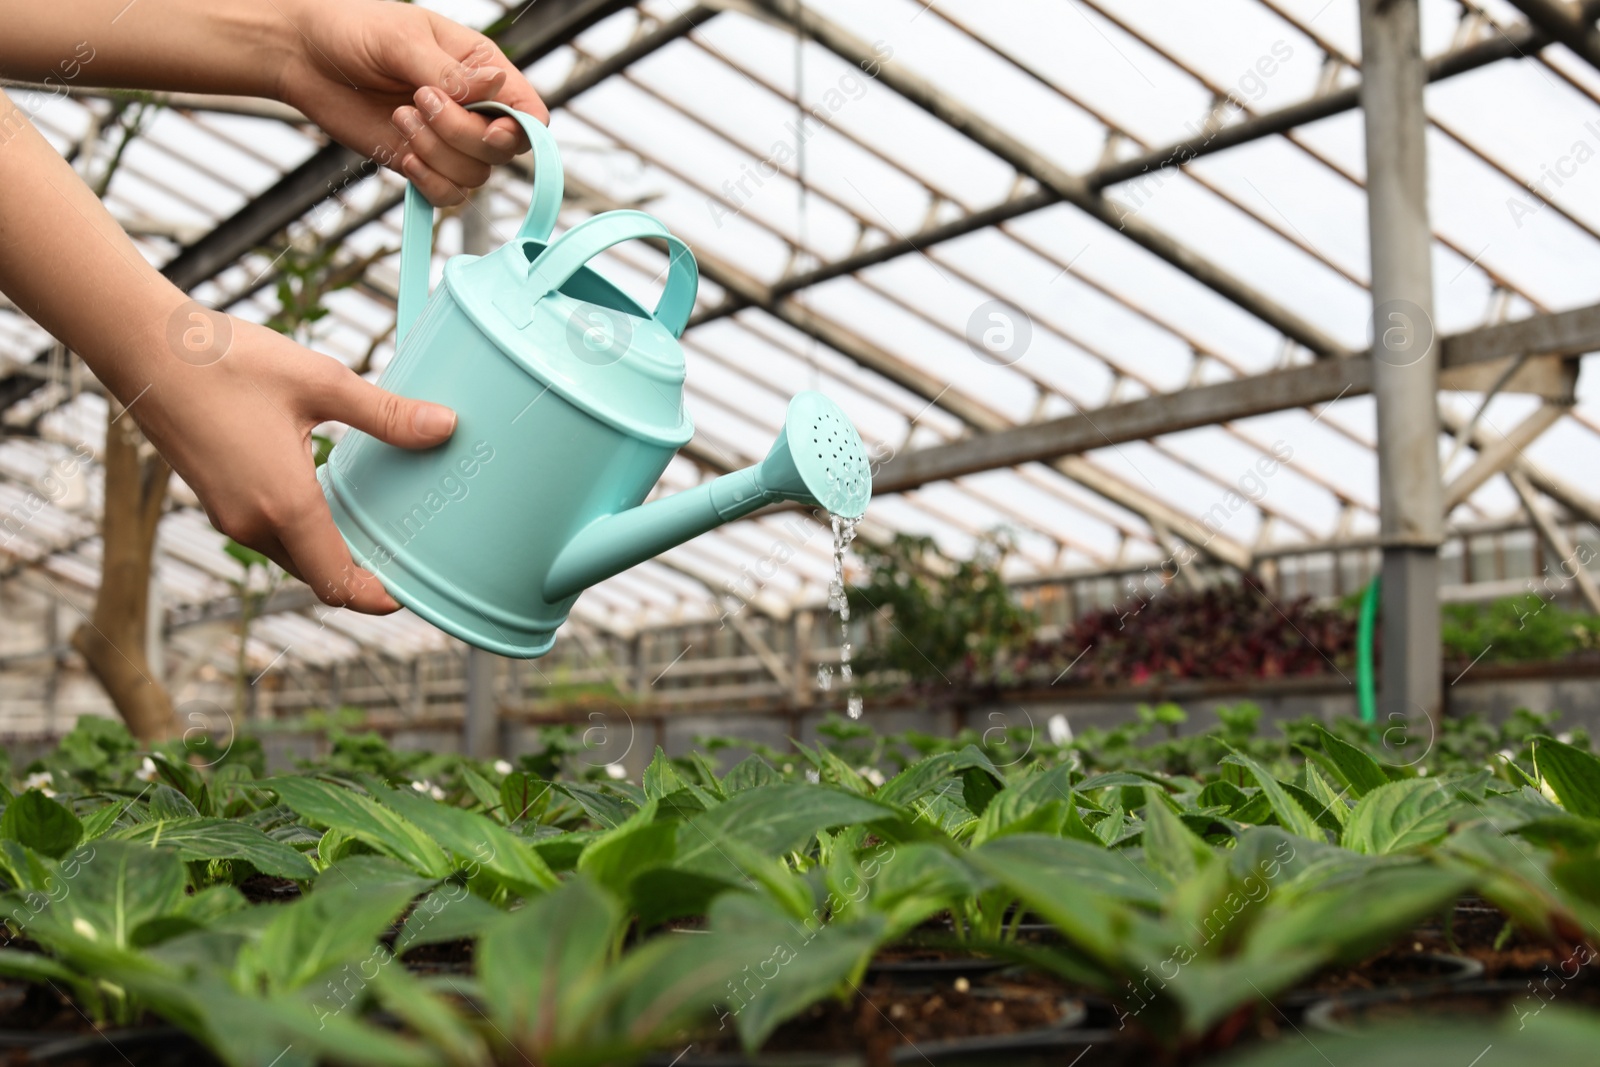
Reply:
x=1320, y=810
x=524, y=796
x=1023, y=798
x=1291, y=816
x=661, y=777
x=118, y=887
x=1340, y=923
x=605, y=808
x=1330, y=803
x=925, y=775
x=1354, y=767
x=167, y=803
x=749, y=773
x=1401, y=815
x=429, y=1015
x=617, y=857
x=771, y=820
x=485, y=793
x=908, y=884
x=364, y=819
x=449, y=913
x=324, y=931
x=1572, y=774
x=1170, y=846
x=834, y=771
x=475, y=840
x=100, y=821
x=536, y=963
x=213, y=839
x=1048, y=874
x=185, y=779
x=376, y=873
x=808, y=962
x=33, y=967
x=35, y=820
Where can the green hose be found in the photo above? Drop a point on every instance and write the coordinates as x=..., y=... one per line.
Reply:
x=1366, y=684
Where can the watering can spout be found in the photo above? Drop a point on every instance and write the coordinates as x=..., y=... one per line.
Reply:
x=818, y=460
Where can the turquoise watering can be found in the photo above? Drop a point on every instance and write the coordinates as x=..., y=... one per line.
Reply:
x=569, y=400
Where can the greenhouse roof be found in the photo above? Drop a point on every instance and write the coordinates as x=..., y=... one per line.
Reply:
x=863, y=199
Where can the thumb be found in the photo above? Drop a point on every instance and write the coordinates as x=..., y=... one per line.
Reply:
x=393, y=419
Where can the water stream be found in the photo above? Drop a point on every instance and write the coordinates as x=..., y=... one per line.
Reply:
x=844, y=532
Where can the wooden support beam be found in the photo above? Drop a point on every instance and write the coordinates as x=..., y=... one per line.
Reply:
x=1555, y=539
x=1500, y=453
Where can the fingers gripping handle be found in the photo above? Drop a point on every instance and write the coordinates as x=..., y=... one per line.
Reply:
x=594, y=235
x=416, y=226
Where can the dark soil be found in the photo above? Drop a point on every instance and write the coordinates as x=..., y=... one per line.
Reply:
x=268, y=889
x=32, y=1013
x=448, y=957
x=1392, y=967
x=884, y=1016
x=1474, y=931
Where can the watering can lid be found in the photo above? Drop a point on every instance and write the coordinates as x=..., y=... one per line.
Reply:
x=625, y=368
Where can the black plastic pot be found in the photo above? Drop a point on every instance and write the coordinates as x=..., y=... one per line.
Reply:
x=1039, y=1046
x=1042, y=1046
x=759, y=1059
x=1444, y=970
x=1348, y=1013
x=154, y=1046
x=1066, y=1048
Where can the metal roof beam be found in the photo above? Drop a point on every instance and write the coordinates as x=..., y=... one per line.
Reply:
x=1072, y=188
x=1567, y=333
x=1566, y=23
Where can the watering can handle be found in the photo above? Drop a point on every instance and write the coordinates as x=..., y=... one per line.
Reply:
x=416, y=226
x=563, y=258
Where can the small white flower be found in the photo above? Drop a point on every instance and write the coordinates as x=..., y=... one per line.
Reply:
x=435, y=792
x=813, y=777
x=1565, y=737
x=146, y=771
x=871, y=774
x=39, y=780
x=1507, y=755
x=616, y=771
x=502, y=767
x=422, y=787
x=1422, y=772
x=85, y=928
x=1060, y=729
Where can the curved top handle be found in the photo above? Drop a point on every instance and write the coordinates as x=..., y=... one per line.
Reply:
x=416, y=226
x=564, y=258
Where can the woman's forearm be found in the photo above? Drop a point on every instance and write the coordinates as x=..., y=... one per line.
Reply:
x=67, y=264
x=212, y=46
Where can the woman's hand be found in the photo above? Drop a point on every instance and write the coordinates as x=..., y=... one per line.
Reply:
x=389, y=80
x=235, y=422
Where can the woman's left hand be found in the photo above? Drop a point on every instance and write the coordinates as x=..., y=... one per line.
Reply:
x=389, y=80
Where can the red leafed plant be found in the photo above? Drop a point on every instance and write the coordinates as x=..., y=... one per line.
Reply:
x=1223, y=631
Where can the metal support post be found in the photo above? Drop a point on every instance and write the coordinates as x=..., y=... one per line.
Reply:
x=1405, y=355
